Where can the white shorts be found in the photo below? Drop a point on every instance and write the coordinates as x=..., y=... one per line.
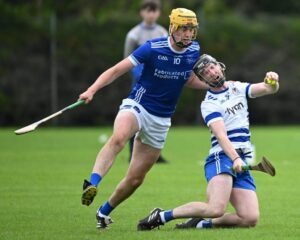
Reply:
x=153, y=130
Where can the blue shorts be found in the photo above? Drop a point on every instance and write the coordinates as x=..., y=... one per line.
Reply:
x=220, y=163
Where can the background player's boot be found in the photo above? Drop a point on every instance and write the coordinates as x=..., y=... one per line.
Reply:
x=151, y=221
x=191, y=223
x=161, y=159
x=89, y=193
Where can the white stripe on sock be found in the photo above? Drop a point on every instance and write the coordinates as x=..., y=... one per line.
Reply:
x=162, y=217
x=200, y=224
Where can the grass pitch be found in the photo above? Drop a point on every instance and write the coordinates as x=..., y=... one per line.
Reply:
x=41, y=177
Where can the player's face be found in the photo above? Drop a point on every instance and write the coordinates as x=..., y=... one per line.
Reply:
x=212, y=73
x=150, y=16
x=185, y=34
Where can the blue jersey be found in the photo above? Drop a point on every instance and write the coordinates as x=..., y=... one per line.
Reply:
x=164, y=75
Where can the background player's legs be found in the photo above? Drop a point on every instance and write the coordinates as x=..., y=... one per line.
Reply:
x=131, y=141
x=161, y=159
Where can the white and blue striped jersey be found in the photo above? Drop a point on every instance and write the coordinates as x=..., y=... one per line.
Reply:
x=231, y=106
x=164, y=75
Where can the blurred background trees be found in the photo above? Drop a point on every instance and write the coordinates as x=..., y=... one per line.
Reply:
x=51, y=51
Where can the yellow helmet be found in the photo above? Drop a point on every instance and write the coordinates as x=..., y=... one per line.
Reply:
x=182, y=17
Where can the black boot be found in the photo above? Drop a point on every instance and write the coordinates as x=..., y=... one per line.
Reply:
x=161, y=159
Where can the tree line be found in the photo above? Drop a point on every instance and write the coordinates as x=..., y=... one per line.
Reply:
x=77, y=40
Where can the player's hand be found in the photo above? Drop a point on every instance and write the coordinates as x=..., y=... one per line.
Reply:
x=87, y=96
x=271, y=78
x=237, y=165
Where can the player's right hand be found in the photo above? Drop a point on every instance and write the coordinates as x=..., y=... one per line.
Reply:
x=87, y=96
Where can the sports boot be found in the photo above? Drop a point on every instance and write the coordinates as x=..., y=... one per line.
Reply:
x=89, y=193
x=102, y=220
x=151, y=221
x=191, y=223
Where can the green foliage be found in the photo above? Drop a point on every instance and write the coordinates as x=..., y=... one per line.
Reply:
x=215, y=7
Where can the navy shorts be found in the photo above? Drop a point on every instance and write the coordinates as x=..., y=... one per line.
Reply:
x=220, y=163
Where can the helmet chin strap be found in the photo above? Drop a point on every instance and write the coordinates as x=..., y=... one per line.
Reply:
x=180, y=44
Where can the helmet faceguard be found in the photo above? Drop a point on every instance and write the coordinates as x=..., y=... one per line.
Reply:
x=203, y=62
x=182, y=17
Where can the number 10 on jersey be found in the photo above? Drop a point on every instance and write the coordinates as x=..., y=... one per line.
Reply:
x=176, y=61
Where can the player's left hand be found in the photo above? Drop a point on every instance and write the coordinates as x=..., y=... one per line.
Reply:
x=237, y=165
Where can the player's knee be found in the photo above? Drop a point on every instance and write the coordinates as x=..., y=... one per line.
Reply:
x=118, y=141
x=135, y=182
x=250, y=220
x=218, y=211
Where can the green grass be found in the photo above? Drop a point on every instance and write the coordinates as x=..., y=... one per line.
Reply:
x=41, y=176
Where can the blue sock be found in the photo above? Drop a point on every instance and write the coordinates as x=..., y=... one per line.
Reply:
x=106, y=209
x=168, y=215
x=95, y=179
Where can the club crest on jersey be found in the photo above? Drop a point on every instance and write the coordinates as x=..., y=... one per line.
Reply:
x=210, y=97
x=163, y=58
x=235, y=91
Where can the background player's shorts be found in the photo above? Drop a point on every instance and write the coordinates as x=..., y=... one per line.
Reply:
x=153, y=130
x=220, y=163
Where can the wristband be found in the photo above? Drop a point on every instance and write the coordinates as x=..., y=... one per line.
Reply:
x=236, y=158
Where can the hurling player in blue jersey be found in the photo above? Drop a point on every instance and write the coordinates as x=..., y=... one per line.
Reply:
x=225, y=111
x=137, y=36
x=146, y=113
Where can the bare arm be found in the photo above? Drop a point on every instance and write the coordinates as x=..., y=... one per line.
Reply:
x=106, y=78
x=263, y=88
x=219, y=130
x=196, y=83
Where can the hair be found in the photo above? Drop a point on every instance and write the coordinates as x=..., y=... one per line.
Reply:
x=151, y=5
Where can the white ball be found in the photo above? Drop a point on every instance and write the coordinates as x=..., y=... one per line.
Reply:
x=103, y=138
